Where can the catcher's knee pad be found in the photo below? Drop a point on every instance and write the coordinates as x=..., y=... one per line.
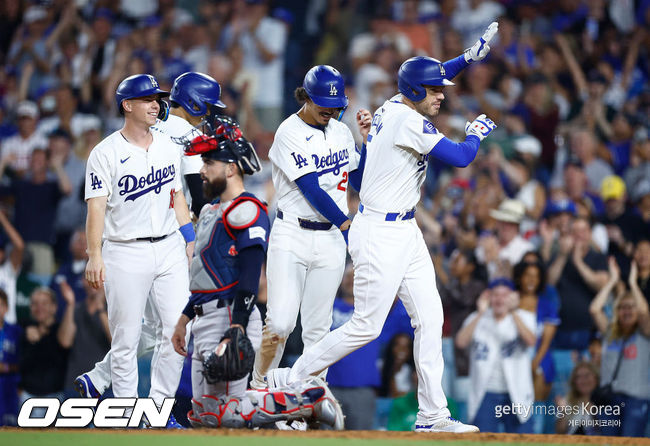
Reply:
x=224, y=413
x=193, y=415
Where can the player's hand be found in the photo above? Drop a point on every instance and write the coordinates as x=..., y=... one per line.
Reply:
x=482, y=126
x=178, y=338
x=189, y=251
x=481, y=48
x=364, y=120
x=95, y=272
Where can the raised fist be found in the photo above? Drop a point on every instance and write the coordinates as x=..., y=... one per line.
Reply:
x=482, y=126
x=481, y=48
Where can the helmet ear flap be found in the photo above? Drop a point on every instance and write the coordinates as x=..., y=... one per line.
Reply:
x=163, y=114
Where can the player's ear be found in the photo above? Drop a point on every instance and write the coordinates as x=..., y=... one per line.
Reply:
x=126, y=105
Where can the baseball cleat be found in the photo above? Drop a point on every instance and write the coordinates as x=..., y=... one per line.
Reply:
x=448, y=425
x=173, y=424
x=85, y=387
x=277, y=378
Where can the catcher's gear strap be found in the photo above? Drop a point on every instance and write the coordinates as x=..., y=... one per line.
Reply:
x=235, y=204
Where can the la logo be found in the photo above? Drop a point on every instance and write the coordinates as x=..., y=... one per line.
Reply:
x=333, y=90
x=442, y=70
x=154, y=83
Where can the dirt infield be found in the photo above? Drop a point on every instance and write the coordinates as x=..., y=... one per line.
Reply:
x=358, y=435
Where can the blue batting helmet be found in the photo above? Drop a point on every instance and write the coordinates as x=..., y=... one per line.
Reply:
x=193, y=91
x=325, y=87
x=137, y=86
x=419, y=71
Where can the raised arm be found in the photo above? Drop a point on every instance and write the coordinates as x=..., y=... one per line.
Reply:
x=597, y=305
x=641, y=302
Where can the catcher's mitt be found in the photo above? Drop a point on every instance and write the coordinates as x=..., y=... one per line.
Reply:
x=231, y=363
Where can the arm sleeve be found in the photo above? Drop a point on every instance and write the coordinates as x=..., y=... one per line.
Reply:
x=195, y=185
x=250, y=262
x=458, y=154
x=356, y=176
x=454, y=66
x=319, y=199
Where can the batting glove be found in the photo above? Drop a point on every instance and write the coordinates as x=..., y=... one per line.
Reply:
x=482, y=126
x=481, y=48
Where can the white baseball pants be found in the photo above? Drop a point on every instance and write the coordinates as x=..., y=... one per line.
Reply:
x=304, y=270
x=390, y=258
x=137, y=271
x=208, y=330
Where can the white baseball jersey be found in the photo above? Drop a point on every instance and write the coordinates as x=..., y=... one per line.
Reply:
x=140, y=185
x=399, y=143
x=299, y=149
x=176, y=127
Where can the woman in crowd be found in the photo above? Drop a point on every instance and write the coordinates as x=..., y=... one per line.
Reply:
x=583, y=381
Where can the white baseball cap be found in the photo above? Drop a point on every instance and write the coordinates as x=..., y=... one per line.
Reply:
x=27, y=108
x=528, y=144
x=34, y=14
x=511, y=211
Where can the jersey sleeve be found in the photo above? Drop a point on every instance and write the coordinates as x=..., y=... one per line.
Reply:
x=353, y=150
x=98, y=175
x=417, y=133
x=289, y=153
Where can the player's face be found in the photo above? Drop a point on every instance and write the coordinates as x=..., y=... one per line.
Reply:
x=320, y=115
x=213, y=174
x=430, y=105
x=145, y=109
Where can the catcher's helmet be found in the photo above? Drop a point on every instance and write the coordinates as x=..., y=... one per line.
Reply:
x=325, y=87
x=419, y=71
x=193, y=91
x=226, y=144
x=140, y=85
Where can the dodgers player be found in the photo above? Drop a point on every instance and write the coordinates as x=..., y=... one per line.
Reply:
x=387, y=248
x=313, y=159
x=232, y=237
x=136, y=204
x=194, y=97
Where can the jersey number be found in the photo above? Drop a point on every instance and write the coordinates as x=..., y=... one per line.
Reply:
x=342, y=185
x=95, y=182
x=171, y=198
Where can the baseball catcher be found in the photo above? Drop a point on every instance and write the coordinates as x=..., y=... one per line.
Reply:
x=231, y=242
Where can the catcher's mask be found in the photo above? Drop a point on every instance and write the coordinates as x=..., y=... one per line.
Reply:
x=223, y=141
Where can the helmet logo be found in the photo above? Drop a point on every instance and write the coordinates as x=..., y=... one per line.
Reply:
x=333, y=90
x=154, y=82
x=442, y=70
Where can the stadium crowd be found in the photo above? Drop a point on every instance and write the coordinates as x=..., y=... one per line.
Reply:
x=541, y=245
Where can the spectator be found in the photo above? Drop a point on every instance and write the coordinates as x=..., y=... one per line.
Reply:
x=501, y=251
x=624, y=226
x=529, y=278
x=10, y=266
x=642, y=260
x=9, y=354
x=626, y=352
x=71, y=211
x=355, y=391
x=584, y=146
x=72, y=271
x=558, y=217
x=499, y=335
x=36, y=199
x=263, y=40
x=91, y=333
x=582, y=383
x=397, y=367
x=17, y=149
x=459, y=293
x=45, y=347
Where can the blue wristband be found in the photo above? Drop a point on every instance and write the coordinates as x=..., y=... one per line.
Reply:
x=188, y=232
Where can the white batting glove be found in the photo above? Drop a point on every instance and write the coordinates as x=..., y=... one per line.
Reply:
x=481, y=48
x=482, y=126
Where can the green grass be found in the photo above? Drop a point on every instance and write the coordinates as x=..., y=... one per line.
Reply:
x=121, y=438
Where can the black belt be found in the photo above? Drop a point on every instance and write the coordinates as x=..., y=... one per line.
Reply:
x=152, y=239
x=198, y=309
x=308, y=224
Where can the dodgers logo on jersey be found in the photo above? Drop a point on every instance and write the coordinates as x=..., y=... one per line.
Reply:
x=428, y=128
x=154, y=181
x=332, y=162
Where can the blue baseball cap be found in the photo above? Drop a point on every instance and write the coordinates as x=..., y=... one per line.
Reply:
x=501, y=281
x=554, y=207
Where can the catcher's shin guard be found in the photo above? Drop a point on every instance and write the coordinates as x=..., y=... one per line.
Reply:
x=313, y=402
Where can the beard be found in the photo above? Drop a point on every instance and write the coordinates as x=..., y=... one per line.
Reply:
x=213, y=189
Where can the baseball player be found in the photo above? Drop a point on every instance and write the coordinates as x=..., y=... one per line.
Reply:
x=388, y=251
x=232, y=236
x=136, y=205
x=313, y=159
x=195, y=97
